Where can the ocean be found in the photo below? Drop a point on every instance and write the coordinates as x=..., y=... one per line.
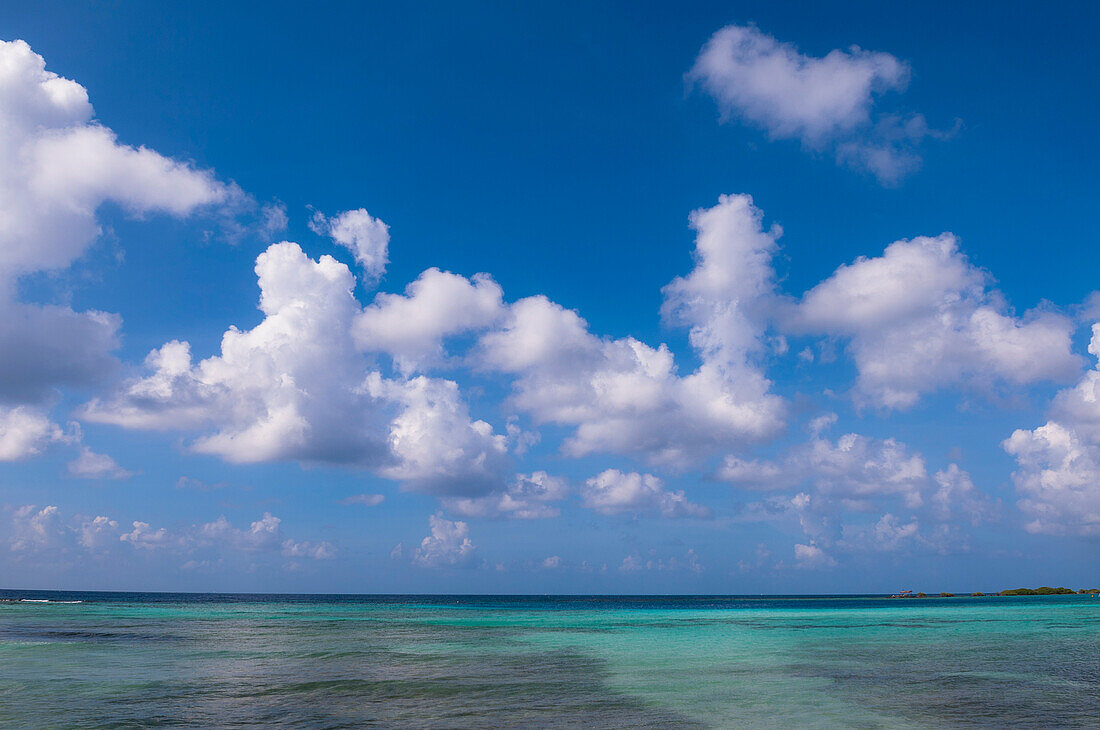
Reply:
x=133, y=660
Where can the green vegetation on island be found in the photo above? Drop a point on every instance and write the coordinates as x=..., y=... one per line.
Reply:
x=1041, y=591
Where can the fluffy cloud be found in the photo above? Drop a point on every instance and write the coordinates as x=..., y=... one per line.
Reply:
x=528, y=497
x=624, y=396
x=852, y=469
x=286, y=389
x=366, y=237
x=823, y=102
x=91, y=465
x=296, y=387
x=851, y=494
x=447, y=545
x=26, y=432
x=438, y=447
x=439, y=304
x=57, y=168
x=614, y=492
x=46, y=531
x=1059, y=462
x=811, y=556
x=921, y=317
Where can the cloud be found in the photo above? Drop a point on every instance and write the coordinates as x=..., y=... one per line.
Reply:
x=145, y=537
x=288, y=389
x=297, y=388
x=26, y=432
x=811, y=556
x=448, y=545
x=852, y=492
x=438, y=447
x=367, y=500
x=1059, y=462
x=366, y=237
x=921, y=317
x=311, y=550
x=636, y=563
x=613, y=492
x=824, y=102
x=90, y=465
x=527, y=497
x=624, y=396
x=46, y=533
x=439, y=304
x=854, y=467
x=57, y=168
x=33, y=529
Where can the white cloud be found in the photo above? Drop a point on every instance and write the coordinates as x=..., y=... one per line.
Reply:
x=439, y=448
x=614, y=492
x=1058, y=478
x=823, y=102
x=145, y=537
x=26, y=432
x=853, y=468
x=312, y=550
x=296, y=387
x=448, y=545
x=91, y=465
x=288, y=389
x=921, y=317
x=366, y=237
x=635, y=563
x=851, y=492
x=367, y=500
x=57, y=168
x=811, y=556
x=98, y=533
x=36, y=529
x=527, y=497
x=552, y=563
x=439, y=304
x=623, y=396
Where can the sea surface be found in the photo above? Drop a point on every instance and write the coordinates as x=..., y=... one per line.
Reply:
x=132, y=660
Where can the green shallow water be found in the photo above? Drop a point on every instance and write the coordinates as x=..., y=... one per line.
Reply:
x=138, y=661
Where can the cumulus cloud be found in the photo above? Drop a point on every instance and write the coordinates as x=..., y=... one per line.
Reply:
x=843, y=485
x=812, y=556
x=921, y=317
x=447, y=545
x=46, y=532
x=624, y=396
x=527, y=497
x=614, y=492
x=288, y=389
x=439, y=448
x=58, y=167
x=825, y=102
x=853, y=468
x=1059, y=462
x=26, y=432
x=297, y=387
x=439, y=304
x=367, y=238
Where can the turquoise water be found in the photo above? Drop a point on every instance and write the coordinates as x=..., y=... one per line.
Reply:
x=159, y=660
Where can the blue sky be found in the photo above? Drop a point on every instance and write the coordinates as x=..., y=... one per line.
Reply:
x=876, y=369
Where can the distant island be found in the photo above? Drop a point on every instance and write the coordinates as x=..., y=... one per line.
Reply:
x=1041, y=591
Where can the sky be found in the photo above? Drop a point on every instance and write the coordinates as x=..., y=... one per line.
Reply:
x=552, y=298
